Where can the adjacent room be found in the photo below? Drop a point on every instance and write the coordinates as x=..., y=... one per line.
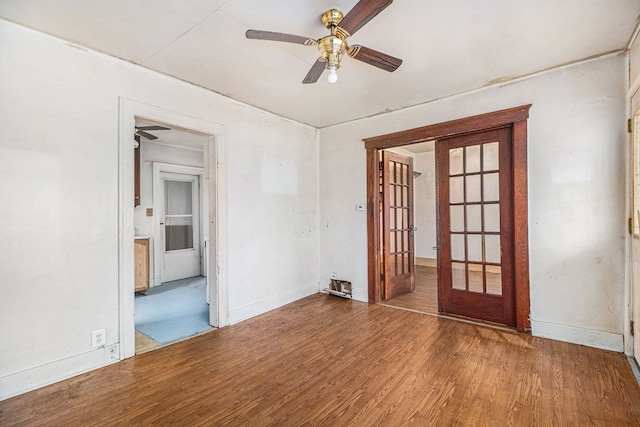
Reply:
x=171, y=275
x=182, y=180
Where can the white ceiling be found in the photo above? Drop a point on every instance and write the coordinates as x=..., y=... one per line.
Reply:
x=448, y=47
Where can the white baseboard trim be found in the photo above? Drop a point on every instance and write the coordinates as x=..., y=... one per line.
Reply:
x=572, y=334
x=426, y=262
x=260, y=307
x=21, y=382
x=360, y=294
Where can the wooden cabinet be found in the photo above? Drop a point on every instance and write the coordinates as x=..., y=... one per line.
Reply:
x=141, y=260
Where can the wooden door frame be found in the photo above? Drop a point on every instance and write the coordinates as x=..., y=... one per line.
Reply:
x=516, y=119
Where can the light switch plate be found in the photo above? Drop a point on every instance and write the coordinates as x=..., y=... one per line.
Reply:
x=149, y=211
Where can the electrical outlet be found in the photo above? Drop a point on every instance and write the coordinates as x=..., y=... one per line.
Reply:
x=98, y=338
x=333, y=276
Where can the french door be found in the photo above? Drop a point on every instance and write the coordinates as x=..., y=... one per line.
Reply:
x=476, y=226
x=490, y=256
x=397, y=224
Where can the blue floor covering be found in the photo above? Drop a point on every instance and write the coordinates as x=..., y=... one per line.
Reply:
x=173, y=310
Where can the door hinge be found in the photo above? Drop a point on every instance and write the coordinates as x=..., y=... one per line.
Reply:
x=381, y=278
x=629, y=126
x=631, y=329
x=630, y=225
x=381, y=166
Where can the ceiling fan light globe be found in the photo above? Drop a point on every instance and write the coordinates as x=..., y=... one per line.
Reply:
x=333, y=76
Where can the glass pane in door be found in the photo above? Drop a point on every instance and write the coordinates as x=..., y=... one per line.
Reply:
x=494, y=280
x=177, y=197
x=178, y=218
x=178, y=233
x=458, y=276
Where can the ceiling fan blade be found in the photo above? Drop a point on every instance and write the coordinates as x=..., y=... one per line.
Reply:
x=146, y=135
x=152, y=128
x=363, y=12
x=315, y=72
x=375, y=58
x=280, y=37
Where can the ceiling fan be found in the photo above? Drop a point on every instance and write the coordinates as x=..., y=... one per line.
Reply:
x=141, y=131
x=334, y=46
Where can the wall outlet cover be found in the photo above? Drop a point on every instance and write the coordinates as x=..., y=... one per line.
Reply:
x=98, y=338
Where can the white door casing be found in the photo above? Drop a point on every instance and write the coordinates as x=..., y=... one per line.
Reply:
x=635, y=215
x=214, y=212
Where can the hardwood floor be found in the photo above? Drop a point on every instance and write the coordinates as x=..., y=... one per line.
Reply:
x=424, y=298
x=328, y=361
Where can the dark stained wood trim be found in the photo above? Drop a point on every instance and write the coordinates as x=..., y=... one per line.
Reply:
x=373, y=223
x=507, y=235
x=516, y=118
x=521, y=225
x=451, y=128
x=443, y=221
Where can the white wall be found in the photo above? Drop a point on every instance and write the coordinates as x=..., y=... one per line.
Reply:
x=576, y=154
x=424, y=188
x=59, y=175
x=424, y=201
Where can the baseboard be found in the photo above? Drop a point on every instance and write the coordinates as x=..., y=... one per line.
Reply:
x=260, y=307
x=426, y=262
x=21, y=382
x=360, y=294
x=572, y=334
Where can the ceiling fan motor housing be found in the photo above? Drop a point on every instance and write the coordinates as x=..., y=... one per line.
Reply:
x=332, y=48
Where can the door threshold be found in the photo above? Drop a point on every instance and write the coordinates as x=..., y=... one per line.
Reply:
x=634, y=368
x=159, y=346
x=456, y=318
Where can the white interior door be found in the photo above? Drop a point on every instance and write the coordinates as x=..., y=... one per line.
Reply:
x=180, y=226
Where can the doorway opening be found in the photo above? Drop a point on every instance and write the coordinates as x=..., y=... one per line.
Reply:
x=423, y=296
x=172, y=196
x=171, y=304
x=481, y=174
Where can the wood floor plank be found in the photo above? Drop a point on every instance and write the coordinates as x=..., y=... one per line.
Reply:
x=424, y=297
x=327, y=361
